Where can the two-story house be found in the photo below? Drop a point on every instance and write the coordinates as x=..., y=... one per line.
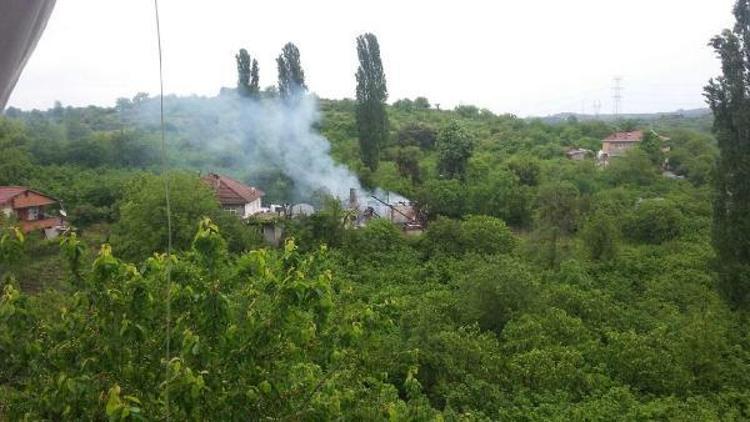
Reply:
x=616, y=144
x=33, y=210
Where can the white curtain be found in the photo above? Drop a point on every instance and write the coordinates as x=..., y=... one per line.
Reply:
x=21, y=24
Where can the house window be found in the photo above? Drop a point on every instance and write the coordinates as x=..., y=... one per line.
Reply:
x=233, y=210
x=32, y=213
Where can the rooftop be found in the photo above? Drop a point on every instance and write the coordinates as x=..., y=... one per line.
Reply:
x=10, y=194
x=230, y=191
x=634, y=136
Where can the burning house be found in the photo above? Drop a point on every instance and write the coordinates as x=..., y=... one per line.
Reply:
x=399, y=210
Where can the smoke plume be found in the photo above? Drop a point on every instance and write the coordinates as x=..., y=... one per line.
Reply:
x=250, y=138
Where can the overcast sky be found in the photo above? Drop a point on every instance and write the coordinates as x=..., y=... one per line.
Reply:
x=517, y=56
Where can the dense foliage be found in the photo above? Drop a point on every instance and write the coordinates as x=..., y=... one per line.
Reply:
x=542, y=287
x=248, y=76
x=728, y=98
x=291, y=75
x=371, y=118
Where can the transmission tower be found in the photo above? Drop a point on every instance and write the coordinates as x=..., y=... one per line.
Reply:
x=617, y=96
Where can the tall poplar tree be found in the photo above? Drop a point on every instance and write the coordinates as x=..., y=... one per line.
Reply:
x=254, y=79
x=247, y=74
x=372, y=122
x=243, y=72
x=729, y=98
x=291, y=75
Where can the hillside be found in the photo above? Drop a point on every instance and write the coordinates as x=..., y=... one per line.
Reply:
x=542, y=288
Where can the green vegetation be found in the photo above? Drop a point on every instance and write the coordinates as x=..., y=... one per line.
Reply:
x=542, y=288
x=291, y=75
x=372, y=120
x=727, y=97
x=248, y=76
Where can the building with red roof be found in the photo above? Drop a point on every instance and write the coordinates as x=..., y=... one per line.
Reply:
x=33, y=210
x=616, y=144
x=234, y=196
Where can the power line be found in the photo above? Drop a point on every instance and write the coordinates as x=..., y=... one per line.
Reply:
x=164, y=168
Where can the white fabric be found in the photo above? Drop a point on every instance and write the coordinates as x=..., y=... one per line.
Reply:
x=21, y=24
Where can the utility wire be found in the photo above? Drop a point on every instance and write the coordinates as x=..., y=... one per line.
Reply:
x=164, y=169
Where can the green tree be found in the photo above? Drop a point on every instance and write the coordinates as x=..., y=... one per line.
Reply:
x=407, y=163
x=254, y=79
x=455, y=145
x=417, y=134
x=422, y=103
x=142, y=227
x=600, y=236
x=556, y=217
x=496, y=291
x=372, y=121
x=243, y=72
x=654, y=221
x=634, y=168
x=15, y=162
x=728, y=98
x=528, y=169
x=651, y=145
x=443, y=197
x=478, y=234
x=291, y=75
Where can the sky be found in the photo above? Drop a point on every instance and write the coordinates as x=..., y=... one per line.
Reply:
x=529, y=58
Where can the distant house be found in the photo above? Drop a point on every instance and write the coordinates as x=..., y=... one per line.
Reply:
x=235, y=197
x=33, y=210
x=616, y=144
x=578, y=154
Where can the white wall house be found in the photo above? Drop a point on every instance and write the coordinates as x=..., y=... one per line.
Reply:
x=235, y=197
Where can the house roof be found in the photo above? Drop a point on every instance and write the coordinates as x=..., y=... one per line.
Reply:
x=8, y=192
x=635, y=136
x=11, y=194
x=230, y=191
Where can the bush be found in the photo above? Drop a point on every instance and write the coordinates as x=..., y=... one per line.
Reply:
x=495, y=292
x=142, y=228
x=417, y=134
x=378, y=238
x=443, y=197
x=479, y=234
x=600, y=237
x=654, y=221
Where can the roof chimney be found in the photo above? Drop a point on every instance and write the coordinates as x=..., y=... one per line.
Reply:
x=353, y=199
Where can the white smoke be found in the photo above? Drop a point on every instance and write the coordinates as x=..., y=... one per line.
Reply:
x=253, y=136
x=282, y=134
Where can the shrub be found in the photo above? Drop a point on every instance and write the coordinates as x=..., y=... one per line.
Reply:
x=654, y=221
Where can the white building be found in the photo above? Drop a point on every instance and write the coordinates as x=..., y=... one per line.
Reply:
x=235, y=197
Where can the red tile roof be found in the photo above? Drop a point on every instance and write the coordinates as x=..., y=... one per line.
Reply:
x=8, y=192
x=22, y=197
x=231, y=192
x=635, y=136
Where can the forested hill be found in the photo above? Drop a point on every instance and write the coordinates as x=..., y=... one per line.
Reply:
x=699, y=118
x=543, y=288
x=202, y=135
